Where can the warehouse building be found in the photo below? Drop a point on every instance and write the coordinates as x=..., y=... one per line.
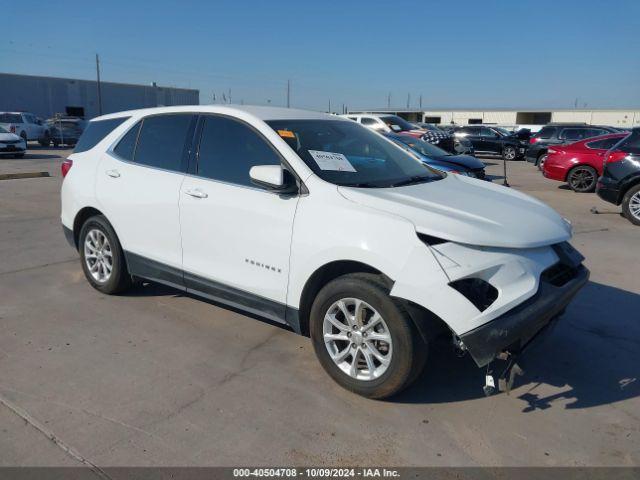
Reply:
x=616, y=118
x=48, y=96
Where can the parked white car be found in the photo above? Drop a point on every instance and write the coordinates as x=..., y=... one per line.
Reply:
x=11, y=144
x=386, y=123
x=313, y=221
x=25, y=125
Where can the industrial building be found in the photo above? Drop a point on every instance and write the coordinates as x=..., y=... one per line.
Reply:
x=48, y=96
x=615, y=118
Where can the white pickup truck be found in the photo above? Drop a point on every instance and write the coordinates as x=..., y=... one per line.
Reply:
x=25, y=125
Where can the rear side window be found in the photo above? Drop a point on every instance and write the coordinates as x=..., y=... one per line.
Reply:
x=573, y=134
x=229, y=148
x=95, y=132
x=605, y=144
x=369, y=121
x=546, y=132
x=631, y=144
x=163, y=141
x=127, y=145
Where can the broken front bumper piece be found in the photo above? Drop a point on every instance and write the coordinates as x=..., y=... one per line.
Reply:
x=514, y=330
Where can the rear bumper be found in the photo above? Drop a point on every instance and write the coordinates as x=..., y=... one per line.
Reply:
x=608, y=190
x=514, y=330
x=554, y=172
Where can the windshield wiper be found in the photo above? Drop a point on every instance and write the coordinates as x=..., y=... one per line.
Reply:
x=411, y=181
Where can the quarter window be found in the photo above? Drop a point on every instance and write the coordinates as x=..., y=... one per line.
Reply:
x=369, y=121
x=163, y=141
x=229, y=148
x=546, y=132
x=127, y=145
x=605, y=144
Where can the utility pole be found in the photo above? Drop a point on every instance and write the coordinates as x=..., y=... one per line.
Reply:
x=329, y=105
x=288, y=93
x=99, y=89
x=389, y=101
x=408, y=100
x=420, y=101
x=229, y=95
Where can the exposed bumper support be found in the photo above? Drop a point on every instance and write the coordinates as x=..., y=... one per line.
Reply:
x=516, y=328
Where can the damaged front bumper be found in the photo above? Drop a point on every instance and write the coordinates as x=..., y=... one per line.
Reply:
x=513, y=331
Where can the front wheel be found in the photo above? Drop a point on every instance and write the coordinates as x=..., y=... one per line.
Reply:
x=582, y=179
x=509, y=153
x=102, y=257
x=631, y=205
x=541, y=159
x=45, y=141
x=364, y=339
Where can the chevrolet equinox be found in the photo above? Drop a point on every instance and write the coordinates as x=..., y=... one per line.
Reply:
x=321, y=224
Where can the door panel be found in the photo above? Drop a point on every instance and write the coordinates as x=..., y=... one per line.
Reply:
x=142, y=205
x=237, y=237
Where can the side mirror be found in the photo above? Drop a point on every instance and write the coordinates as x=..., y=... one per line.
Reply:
x=273, y=178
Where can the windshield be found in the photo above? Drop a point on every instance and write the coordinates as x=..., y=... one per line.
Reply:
x=10, y=118
x=397, y=124
x=420, y=146
x=503, y=131
x=345, y=153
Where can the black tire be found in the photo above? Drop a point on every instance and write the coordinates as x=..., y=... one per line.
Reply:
x=632, y=195
x=19, y=155
x=56, y=143
x=119, y=279
x=409, y=351
x=541, y=159
x=582, y=179
x=23, y=135
x=45, y=141
x=509, y=152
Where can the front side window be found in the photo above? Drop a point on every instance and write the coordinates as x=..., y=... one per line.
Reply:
x=347, y=154
x=573, y=134
x=229, y=148
x=488, y=133
x=95, y=132
x=163, y=141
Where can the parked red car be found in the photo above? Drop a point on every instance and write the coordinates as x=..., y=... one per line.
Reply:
x=580, y=163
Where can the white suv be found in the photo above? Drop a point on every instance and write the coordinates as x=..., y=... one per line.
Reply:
x=316, y=222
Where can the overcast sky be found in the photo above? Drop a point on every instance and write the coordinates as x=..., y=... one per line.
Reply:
x=458, y=54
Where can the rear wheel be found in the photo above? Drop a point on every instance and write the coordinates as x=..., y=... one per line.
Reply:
x=631, y=205
x=363, y=338
x=45, y=141
x=102, y=257
x=509, y=153
x=582, y=179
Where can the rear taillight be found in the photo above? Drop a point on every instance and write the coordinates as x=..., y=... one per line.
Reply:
x=12, y=129
x=614, y=156
x=533, y=140
x=65, y=167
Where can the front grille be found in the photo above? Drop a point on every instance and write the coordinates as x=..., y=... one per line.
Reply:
x=559, y=274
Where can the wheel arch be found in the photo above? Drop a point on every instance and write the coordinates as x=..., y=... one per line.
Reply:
x=82, y=216
x=427, y=323
x=628, y=185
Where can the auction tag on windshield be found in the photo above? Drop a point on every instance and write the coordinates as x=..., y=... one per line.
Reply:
x=332, y=161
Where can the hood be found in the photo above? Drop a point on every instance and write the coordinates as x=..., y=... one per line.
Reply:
x=470, y=211
x=466, y=161
x=9, y=136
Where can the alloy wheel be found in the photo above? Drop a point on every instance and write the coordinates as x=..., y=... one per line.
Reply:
x=634, y=205
x=509, y=153
x=582, y=179
x=98, y=255
x=357, y=338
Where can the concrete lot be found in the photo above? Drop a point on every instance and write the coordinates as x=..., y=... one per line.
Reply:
x=158, y=378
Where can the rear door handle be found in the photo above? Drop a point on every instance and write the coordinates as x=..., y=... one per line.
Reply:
x=113, y=173
x=196, y=193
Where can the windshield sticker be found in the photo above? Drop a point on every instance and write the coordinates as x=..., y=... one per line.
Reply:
x=286, y=134
x=332, y=161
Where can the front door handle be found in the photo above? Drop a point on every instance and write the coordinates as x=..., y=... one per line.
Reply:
x=196, y=193
x=113, y=173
